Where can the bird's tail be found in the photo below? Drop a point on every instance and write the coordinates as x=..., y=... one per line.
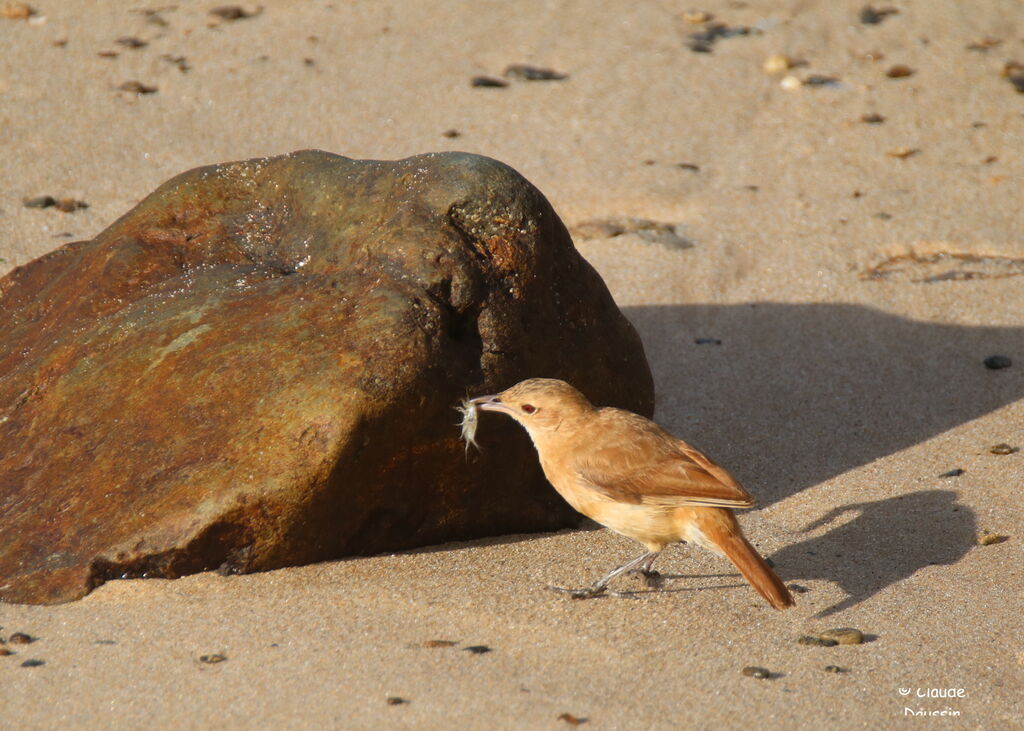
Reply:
x=719, y=531
x=757, y=571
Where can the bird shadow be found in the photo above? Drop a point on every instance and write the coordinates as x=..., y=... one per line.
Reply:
x=883, y=542
x=790, y=395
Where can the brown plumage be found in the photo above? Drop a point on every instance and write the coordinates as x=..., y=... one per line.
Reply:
x=629, y=474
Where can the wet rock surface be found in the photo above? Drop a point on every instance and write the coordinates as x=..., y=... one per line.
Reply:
x=257, y=366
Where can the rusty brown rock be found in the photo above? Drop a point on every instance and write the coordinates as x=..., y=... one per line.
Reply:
x=257, y=367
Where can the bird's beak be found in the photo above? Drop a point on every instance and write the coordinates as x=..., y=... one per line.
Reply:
x=491, y=403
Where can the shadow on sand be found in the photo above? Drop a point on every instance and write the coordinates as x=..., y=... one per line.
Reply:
x=797, y=394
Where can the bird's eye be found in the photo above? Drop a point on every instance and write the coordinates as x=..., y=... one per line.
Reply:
x=528, y=409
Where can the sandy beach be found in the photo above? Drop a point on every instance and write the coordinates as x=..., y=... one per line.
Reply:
x=818, y=259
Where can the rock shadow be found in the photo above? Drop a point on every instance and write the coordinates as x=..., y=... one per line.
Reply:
x=795, y=394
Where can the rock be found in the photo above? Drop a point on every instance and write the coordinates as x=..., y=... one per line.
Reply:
x=843, y=635
x=257, y=366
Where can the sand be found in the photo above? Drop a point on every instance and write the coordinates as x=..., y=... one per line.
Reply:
x=838, y=398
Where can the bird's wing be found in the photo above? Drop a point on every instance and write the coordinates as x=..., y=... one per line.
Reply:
x=648, y=466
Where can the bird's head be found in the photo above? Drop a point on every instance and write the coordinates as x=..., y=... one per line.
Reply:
x=539, y=404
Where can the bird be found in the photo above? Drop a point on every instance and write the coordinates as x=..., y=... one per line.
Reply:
x=632, y=476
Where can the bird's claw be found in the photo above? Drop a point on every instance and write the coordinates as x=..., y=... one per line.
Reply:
x=587, y=593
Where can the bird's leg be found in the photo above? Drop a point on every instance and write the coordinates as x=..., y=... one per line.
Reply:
x=600, y=586
x=645, y=566
x=651, y=577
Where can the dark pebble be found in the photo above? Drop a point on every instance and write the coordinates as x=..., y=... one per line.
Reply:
x=137, y=87
x=872, y=118
x=451, y=133
x=703, y=41
x=440, y=643
x=707, y=341
x=688, y=166
x=798, y=588
x=477, y=649
x=1002, y=448
x=212, y=659
x=997, y=362
x=70, y=205
x=178, y=61
x=33, y=663
x=821, y=80
x=131, y=42
x=813, y=641
x=107, y=54
x=899, y=71
x=20, y=638
x=955, y=472
x=833, y=669
x=4, y=652
x=394, y=700
x=873, y=16
x=42, y=201
x=525, y=72
x=488, y=82
x=571, y=719
x=752, y=671
x=232, y=12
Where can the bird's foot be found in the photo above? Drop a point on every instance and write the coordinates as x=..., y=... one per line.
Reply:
x=651, y=577
x=587, y=593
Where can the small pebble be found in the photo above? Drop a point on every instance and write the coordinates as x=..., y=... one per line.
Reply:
x=903, y=152
x=488, y=82
x=791, y=83
x=477, y=649
x=16, y=11
x=1002, y=448
x=873, y=16
x=178, y=61
x=707, y=341
x=798, y=588
x=4, y=652
x=42, y=201
x=20, y=638
x=821, y=80
x=997, y=362
x=984, y=44
x=688, y=166
x=439, y=643
x=131, y=42
x=777, y=63
x=843, y=635
x=33, y=663
x=525, y=72
x=752, y=671
x=571, y=719
x=107, y=54
x=212, y=659
x=233, y=12
x=813, y=641
x=137, y=87
x=834, y=669
x=955, y=472
x=990, y=539
x=394, y=700
x=696, y=17
x=70, y=205
x=872, y=118
x=899, y=71
x=451, y=133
